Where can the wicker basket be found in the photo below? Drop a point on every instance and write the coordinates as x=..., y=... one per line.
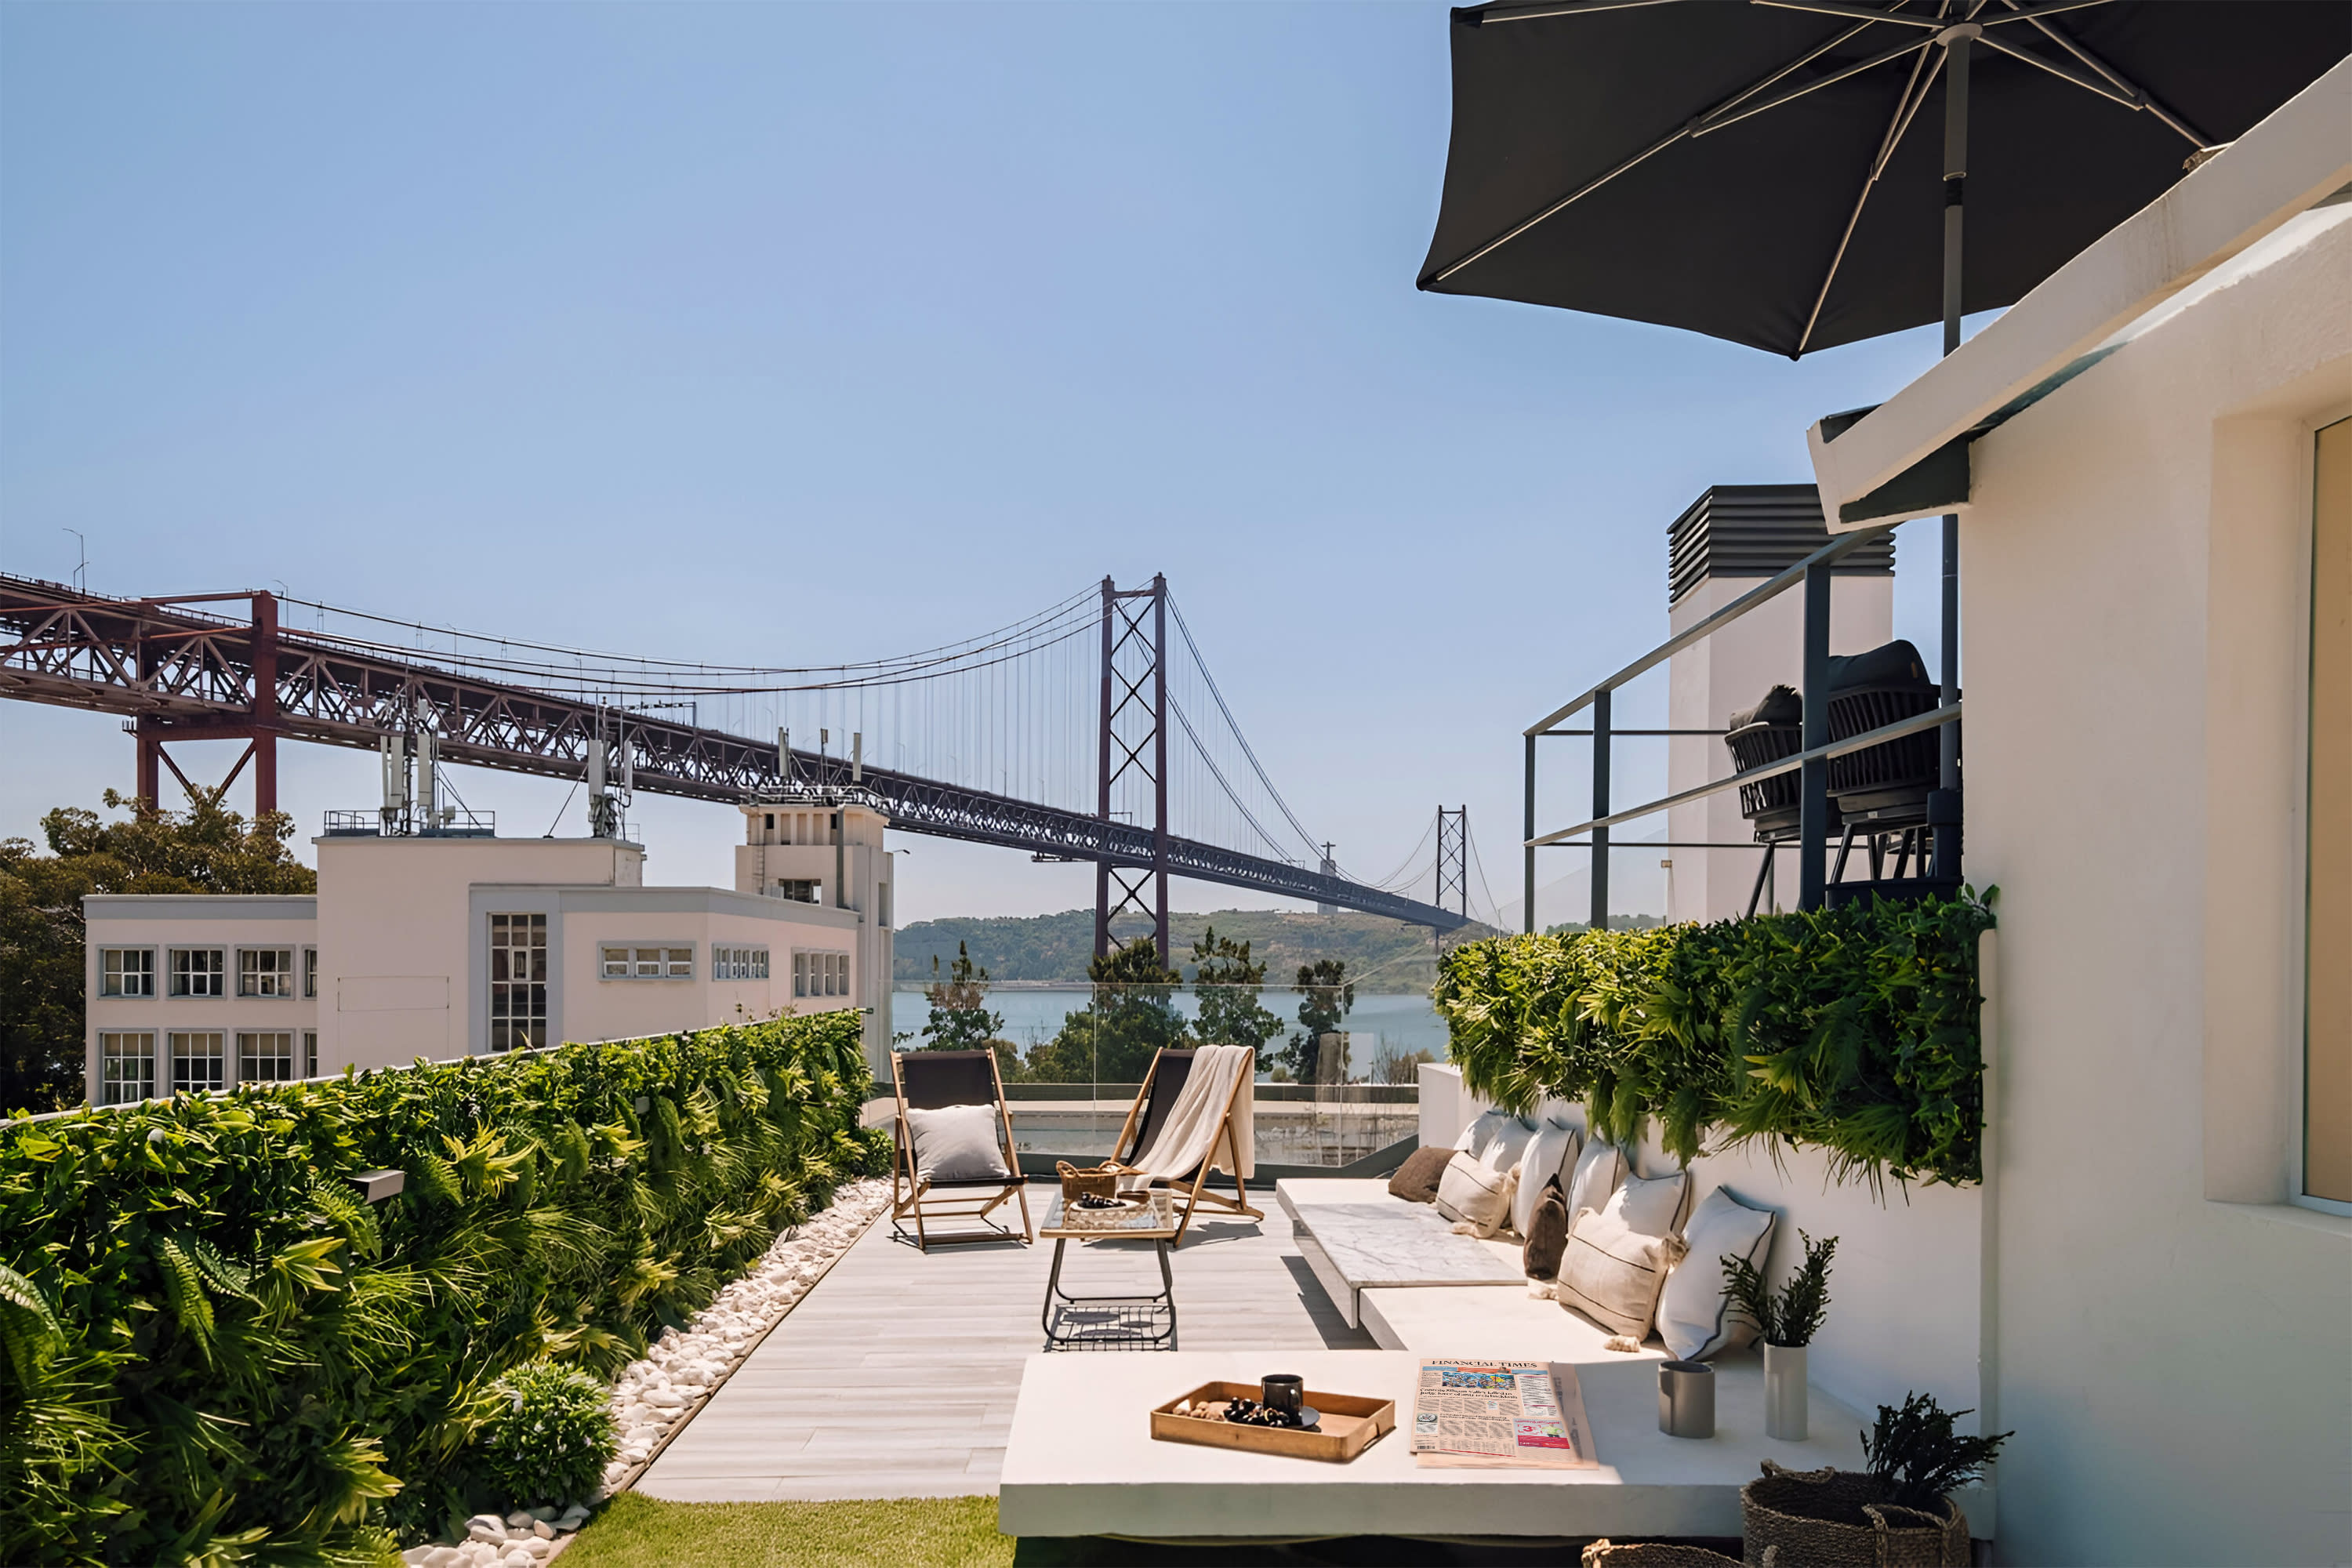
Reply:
x=1653, y=1555
x=1795, y=1514
x=1096, y=1182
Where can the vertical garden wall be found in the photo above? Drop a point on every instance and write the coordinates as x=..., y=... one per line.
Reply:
x=215, y=1350
x=1854, y=1030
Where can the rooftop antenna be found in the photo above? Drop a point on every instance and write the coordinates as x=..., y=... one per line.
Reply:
x=81, y=571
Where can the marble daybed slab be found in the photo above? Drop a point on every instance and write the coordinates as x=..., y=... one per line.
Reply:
x=1080, y=1459
x=1356, y=1237
x=1490, y=1319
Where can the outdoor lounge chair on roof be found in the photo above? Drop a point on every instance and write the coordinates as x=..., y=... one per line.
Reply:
x=932, y=1080
x=1175, y=1140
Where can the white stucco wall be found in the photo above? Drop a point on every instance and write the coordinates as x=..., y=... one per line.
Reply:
x=160, y=923
x=2174, y=1345
x=394, y=940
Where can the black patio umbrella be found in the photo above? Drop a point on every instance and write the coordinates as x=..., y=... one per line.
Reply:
x=1779, y=172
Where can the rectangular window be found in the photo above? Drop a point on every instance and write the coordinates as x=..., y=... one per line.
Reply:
x=801, y=889
x=310, y=1053
x=518, y=982
x=309, y=972
x=197, y=972
x=196, y=1065
x=2327, y=978
x=266, y=1057
x=820, y=974
x=127, y=1067
x=739, y=963
x=648, y=963
x=882, y=903
x=126, y=972
x=265, y=972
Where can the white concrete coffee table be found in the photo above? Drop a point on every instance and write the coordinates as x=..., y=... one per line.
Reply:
x=1081, y=1459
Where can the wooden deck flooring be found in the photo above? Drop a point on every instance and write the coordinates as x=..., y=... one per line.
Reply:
x=895, y=1378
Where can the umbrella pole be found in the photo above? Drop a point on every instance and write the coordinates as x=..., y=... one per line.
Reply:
x=1944, y=805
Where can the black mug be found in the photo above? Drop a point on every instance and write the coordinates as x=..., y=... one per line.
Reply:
x=1283, y=1392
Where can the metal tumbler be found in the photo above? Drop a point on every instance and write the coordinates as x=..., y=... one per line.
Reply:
x=1687, y=1399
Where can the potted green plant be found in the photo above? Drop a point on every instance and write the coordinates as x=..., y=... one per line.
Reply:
x=1899, y=1513
x=1786, y=1322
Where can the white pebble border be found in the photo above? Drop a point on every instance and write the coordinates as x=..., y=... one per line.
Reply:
x=652, y=1399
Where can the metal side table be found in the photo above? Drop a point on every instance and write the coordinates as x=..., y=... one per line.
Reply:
x=1110, y=1322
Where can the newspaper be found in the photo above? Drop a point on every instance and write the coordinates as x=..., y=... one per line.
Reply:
x=1514, y=1413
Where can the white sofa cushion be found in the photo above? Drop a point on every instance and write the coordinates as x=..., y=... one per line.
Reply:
x=1483, y=1128
x=958, y=1142
x=1695, y=1316
x=1550, y=1153
x=1472, y=1193
x=1599, y=1168
x=1617, y=1257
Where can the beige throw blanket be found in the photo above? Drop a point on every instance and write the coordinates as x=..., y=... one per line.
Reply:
x=1194, y=1121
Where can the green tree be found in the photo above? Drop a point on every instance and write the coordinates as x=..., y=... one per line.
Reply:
x=960, y=1020
x=1227, y=983
x=1328, y=995
x=1133, y=1015
x=205, y=850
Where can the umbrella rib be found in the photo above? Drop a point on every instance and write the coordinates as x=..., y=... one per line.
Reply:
x=2099, y=89
x=2141, y=98
x=2035, y=13
x=1836, y=8
x=1561, y=9
x=1711, y=124
x=1905, y=107
x=1688, y=128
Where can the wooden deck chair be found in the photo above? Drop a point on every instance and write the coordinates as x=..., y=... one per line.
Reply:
x=928, y=1080
x=1161, y=1086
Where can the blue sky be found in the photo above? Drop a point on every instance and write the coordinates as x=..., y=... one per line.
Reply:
x=788, y=334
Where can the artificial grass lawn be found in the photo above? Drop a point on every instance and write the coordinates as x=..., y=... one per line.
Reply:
x=634, y=1532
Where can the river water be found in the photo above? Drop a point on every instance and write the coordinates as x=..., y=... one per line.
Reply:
x=1380, y=1024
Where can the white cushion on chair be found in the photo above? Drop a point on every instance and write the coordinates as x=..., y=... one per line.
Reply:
x=958, y=1144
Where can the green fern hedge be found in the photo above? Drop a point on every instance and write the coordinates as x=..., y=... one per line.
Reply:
x=216, y=1354
x=1852, y=1030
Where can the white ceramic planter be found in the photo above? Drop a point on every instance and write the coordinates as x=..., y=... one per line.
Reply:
x=1784, y=1393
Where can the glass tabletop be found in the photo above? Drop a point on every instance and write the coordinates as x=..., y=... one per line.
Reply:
x=1139, y=1217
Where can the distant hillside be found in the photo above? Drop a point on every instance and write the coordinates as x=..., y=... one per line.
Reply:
x=1389, y=956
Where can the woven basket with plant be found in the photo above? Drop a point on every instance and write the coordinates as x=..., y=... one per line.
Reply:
x=1897, y=1514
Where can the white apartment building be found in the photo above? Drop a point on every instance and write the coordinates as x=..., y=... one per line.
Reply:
x=445, y=945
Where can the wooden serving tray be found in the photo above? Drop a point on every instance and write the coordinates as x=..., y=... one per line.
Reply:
x=1350, y=1424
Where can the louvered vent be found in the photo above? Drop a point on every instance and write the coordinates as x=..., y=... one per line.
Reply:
x=1757, y=531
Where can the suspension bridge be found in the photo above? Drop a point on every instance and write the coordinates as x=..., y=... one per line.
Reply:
x=1089, y=731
